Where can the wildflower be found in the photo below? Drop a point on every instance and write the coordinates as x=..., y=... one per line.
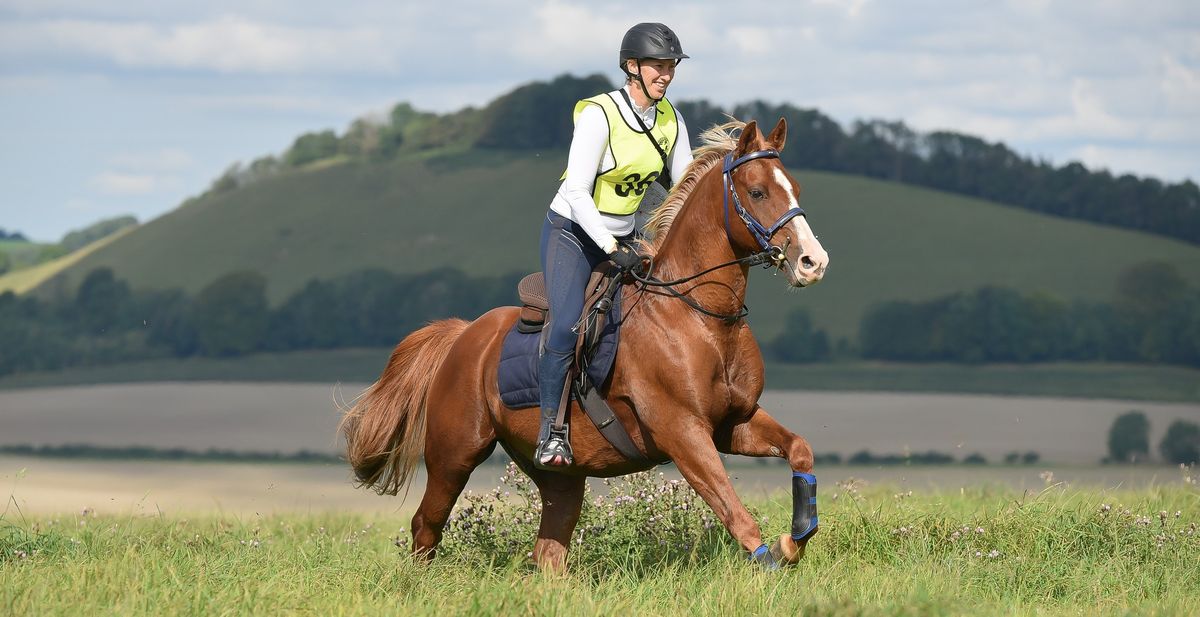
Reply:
x=1105, y=508
x=979, y=530
x=993, y=554
x=1162, y=516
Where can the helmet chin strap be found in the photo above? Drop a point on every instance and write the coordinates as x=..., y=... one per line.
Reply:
x=641, y=82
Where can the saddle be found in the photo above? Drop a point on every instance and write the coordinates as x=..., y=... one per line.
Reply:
x=593, y=325
x=597, y=304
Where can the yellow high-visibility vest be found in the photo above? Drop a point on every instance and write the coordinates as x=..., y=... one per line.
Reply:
x=619, y=189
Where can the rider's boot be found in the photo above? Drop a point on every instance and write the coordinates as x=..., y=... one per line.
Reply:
x=553, y=445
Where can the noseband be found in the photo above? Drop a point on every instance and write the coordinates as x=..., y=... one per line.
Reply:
x=761, y=234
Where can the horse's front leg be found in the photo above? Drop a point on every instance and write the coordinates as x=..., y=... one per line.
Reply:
x=562, y=501
x=761, y=435
x=696, y=456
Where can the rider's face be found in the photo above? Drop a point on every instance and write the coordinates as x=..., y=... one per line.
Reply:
x=657, y=74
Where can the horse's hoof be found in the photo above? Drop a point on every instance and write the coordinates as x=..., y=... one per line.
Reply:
x=786, y=551
x=764, y=558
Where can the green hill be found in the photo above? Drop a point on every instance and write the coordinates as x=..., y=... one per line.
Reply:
x=480, y=211
x=26, y=265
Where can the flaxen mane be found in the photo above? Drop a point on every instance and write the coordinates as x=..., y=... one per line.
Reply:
x=715, y=143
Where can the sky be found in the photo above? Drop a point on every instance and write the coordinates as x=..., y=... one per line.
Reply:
x=131, y=106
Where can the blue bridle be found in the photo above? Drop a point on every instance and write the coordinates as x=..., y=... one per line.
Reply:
x=761, y=234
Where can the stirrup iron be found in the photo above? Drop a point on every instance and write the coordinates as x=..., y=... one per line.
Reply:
x=554, y=453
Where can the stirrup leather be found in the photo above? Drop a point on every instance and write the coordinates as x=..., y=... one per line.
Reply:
x=555, y=450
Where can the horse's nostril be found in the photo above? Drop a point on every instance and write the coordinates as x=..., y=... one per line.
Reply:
x=806, y=262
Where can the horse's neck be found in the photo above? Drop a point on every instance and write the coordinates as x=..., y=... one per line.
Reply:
x=696, y=241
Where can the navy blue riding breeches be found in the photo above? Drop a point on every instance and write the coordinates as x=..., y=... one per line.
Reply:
x=568, y=257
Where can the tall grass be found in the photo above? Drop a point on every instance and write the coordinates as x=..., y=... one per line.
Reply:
x=983, y=551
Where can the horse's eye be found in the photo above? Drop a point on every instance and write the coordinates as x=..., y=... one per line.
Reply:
x=756, y=194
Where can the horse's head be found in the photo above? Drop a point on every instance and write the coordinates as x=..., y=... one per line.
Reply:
x=768, y=194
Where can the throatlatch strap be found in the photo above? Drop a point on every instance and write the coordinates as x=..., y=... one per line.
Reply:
x=804, y=505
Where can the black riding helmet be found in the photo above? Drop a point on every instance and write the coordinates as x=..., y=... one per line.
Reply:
x=649, y=40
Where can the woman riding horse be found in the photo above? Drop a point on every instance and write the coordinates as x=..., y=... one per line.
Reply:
x=624, y=141
x=687, y=376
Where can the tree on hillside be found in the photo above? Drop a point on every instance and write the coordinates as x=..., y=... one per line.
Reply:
x=537, y=115
x=1181, y=444
x=102, y=303
x=168, y=319
x=311, y=147
x=363, y=138
x=1129, y=438
x=15, y=236
x=80, y=238
x=799, y=341
x=231, y=314
x=1147, y=297
x=312, y=318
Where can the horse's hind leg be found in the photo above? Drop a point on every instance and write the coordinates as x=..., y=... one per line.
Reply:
x=448, y=468
x=762, y=435
x=458, y=437
x=562, y=500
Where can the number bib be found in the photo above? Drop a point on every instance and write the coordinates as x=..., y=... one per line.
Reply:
x=636, y=164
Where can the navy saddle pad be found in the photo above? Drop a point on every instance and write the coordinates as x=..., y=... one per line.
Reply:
x=518, y=371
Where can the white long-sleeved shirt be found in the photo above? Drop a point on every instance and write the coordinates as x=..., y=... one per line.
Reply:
x=590, y=154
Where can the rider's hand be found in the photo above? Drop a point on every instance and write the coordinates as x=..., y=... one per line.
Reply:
x=626, y=258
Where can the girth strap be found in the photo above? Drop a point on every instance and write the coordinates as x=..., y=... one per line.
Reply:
x=606, y=420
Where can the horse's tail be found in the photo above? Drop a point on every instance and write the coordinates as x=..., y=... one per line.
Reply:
x=385, y=428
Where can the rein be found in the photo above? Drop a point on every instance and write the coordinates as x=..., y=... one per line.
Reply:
x=767, y=258
x=770, y=255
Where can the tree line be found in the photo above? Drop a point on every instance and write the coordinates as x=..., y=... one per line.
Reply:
x=538, y=116
x=14, y=236
x=1154, y=316
x=106, y=321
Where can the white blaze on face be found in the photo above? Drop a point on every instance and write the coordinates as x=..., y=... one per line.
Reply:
x=804, y=235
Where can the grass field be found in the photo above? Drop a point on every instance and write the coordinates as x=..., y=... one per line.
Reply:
x=480, y=211
x=1080, y=380
x=978, y=551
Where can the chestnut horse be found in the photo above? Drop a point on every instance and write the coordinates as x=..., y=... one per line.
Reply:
x=685, y=385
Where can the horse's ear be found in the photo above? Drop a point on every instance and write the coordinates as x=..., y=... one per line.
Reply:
x=746, y=141
x=778, y=135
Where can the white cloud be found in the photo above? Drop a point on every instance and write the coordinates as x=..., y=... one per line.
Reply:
x=164, y=159
x=228, y=43
x=852, y=8
x=79, y=205
x=298, y=102
x=120, y=183
x=1157, y=162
